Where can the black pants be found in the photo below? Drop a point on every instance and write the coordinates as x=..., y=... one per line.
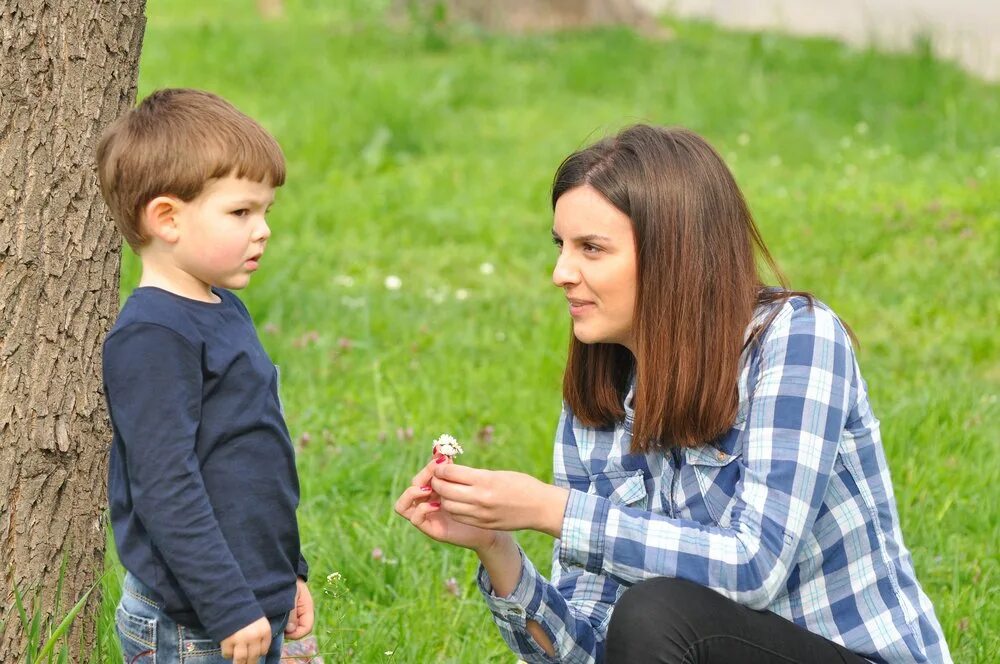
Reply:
x=680, y=622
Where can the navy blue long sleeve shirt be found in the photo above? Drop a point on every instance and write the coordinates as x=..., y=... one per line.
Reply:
x=202, y=481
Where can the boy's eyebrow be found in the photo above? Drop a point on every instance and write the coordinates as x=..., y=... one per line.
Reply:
x=253, y=202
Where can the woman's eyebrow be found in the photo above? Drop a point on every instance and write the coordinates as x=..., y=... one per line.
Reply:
x=592, y=237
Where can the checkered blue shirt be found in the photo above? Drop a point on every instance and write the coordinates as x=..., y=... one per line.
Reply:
x=791, y=511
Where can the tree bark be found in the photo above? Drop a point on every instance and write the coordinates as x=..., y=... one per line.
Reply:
x=67, y=69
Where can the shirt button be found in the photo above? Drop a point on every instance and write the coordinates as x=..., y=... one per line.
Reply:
x=721, y=456
x=189, y=647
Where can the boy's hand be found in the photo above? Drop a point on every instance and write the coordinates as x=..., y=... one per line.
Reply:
x=300, y=620
x=249, y=644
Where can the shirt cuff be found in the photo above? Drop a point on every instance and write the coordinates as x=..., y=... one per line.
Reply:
x=512, y=612
x=523, y=602
x=584, y=525
x=302, y=569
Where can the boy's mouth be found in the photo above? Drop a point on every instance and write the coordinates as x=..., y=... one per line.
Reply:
x=253, y=262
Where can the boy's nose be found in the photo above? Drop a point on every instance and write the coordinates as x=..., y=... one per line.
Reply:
x=263, y=231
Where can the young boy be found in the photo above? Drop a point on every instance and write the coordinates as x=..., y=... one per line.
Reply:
x=202, y=481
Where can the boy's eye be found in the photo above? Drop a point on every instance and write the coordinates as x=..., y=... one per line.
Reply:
x=591, y=248
x=242, y=212
x=556, y=241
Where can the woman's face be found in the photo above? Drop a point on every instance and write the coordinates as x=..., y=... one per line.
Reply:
x=596, y=266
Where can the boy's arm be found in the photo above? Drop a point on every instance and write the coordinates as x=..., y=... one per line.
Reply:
x=153, y=378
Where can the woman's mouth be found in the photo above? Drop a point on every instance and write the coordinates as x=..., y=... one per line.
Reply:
x=579, y=307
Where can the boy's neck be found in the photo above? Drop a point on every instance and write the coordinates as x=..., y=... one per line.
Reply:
x=176, y=281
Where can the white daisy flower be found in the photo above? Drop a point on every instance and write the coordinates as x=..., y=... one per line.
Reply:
x=448, y=446
x=392, y=282
x=487, y=268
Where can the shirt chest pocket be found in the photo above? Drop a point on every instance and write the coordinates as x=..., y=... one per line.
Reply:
x=621, y=487
x=716, y=474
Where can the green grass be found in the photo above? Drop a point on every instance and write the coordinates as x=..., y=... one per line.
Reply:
x=426, y=153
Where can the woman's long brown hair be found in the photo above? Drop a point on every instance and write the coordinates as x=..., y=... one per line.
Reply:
x=698, y=287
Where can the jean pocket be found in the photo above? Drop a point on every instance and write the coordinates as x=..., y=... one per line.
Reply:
x=137, y=636
x=197, y=647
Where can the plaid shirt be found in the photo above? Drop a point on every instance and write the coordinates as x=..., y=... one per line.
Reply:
x=791, y=511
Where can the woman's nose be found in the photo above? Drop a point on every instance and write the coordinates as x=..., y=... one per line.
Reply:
x=565, y=273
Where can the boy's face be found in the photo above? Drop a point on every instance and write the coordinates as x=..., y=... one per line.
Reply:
x=222, y=233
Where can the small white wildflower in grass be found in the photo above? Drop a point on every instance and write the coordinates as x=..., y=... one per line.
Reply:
x=487, y=268
x=447, y=445
x=388, y=653
x=392, y=282
x=451, y=585
x=743, y=139
x=861, y=128
x=334, y=586
x=344, y=280
x=436, y=296
x=377, y=554
x=461, y=294
x=353, y=302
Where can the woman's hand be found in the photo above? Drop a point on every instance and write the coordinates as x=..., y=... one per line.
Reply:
x=499, y=499
x=421, y=506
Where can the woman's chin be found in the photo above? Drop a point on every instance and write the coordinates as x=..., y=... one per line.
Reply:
x=587, y=336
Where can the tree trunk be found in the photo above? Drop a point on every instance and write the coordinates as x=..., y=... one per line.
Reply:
x=67, y=69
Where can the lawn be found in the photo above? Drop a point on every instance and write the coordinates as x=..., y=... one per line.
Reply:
x=426, y=155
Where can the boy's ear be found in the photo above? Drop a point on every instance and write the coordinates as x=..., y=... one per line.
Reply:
x=160, y=218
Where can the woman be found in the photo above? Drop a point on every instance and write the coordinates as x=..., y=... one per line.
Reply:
x=721, y=493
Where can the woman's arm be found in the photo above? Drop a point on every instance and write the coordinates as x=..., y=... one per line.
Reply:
x=502, y=563
x=798, y=409
x=561, y=619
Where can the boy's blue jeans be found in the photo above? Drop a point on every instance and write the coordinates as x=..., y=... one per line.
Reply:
x=149, y=636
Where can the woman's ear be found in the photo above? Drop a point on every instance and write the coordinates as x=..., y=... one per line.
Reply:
x=160, y=218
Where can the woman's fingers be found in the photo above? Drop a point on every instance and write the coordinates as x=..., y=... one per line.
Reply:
x=459, y=493
x=425, y=474
x=420, y=513
x=459, y=474
x=410, y=497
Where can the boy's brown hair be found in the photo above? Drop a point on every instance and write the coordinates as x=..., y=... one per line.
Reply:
x=173, y=143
